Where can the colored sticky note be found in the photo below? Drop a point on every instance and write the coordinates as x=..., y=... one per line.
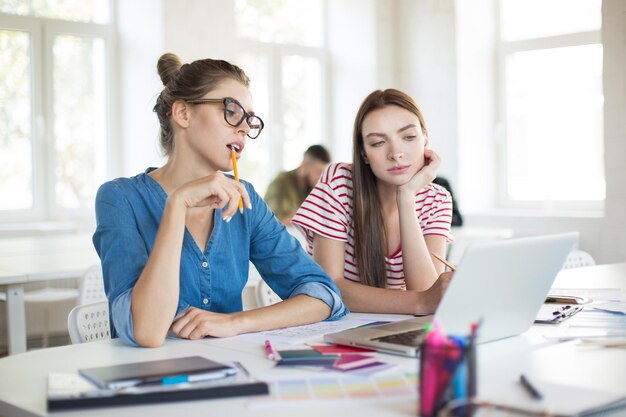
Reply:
x=353, y=361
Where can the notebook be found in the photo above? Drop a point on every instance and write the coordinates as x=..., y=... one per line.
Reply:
x=67, y=391
x=166, y=371
x=502, y=283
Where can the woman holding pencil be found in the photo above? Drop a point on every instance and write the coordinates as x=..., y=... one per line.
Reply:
x=175, y=242
x=379, y=226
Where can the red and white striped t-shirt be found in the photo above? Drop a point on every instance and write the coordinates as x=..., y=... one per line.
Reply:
x=327, y=211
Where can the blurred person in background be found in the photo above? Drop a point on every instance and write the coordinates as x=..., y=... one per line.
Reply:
x=289, y=189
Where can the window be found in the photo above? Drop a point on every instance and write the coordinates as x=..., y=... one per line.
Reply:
x=552, y=103
x=54, y=107
x=282, y=50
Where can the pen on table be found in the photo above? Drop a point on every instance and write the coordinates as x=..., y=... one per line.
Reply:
x=443, y=261
x=271, y=352
x=233, y=155
x=530, y=388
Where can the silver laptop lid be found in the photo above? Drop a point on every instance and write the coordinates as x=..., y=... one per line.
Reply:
x=504, y=283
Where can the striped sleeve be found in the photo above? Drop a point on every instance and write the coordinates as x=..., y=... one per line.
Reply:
x=434, y=207
x=323, y=212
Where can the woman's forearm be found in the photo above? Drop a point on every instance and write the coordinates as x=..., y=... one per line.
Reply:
x=419, y=271
x=155, y=295
x=361, y=298
x=295, y=311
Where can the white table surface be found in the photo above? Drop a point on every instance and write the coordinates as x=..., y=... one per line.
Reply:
x=35, y=259
x=23, y=376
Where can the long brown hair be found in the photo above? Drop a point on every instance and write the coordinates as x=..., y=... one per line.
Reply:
x=370, y=240
x=188, y=82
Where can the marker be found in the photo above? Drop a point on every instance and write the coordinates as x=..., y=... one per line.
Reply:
x=530, y=388
x=271, y=353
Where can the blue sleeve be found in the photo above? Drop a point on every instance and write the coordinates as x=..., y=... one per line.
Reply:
x=283, y=263
x=121, y=315
x=123, y=255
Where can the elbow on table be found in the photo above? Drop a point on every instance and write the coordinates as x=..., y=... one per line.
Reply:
x=149, y=339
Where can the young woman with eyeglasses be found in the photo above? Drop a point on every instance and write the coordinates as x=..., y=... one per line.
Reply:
x=174, y=247
x=374, y=224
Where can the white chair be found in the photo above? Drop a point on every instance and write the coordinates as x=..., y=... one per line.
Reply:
x=89, y=322
x=46, y=296
x=265, y=296
x=577, y=259
x=92, y=286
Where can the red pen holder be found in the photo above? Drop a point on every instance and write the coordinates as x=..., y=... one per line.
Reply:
x=447, y=372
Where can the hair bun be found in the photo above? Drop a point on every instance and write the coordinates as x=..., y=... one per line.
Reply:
x=168, y=66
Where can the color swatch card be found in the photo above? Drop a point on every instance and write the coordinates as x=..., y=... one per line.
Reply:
x=304, y=392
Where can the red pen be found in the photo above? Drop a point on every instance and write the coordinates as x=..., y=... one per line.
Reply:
x=271, y=353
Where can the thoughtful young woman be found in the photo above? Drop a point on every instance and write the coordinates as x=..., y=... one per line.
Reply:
x=374, y=225
x=175, y=248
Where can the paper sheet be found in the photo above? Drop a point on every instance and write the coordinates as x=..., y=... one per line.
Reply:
x=615, y=307
x=596, y=294
x=301, y=334
x=559, y=399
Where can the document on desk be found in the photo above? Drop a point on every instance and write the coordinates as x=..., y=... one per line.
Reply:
x=612, y=307
x=301, y=334
x=595, y=294
x=560, y=400
x=604, y=316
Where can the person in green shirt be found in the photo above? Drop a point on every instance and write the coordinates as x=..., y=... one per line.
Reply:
x=289, y=189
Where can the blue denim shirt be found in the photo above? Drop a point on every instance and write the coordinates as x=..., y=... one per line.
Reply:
x=128, y=213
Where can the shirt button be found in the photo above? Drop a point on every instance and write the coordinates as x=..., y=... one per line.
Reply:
x=205, y=264
x=205, y=301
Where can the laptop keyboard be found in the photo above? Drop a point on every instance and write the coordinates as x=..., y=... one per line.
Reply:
x=411, y=338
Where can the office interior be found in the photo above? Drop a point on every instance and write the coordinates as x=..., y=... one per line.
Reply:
x=528, y=119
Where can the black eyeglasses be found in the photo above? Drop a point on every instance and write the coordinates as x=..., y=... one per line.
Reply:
x=234, y=114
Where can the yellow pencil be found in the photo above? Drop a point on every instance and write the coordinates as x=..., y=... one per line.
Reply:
x=234, y=157
x=443, y=261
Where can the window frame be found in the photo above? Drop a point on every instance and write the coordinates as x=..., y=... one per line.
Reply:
x=275, y=52
x=503, y=50
x=42, y=33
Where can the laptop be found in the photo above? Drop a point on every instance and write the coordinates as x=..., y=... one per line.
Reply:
x=503, y=283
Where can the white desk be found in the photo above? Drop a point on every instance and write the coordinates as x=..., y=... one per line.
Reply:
x=23, y=377
x=36, y=259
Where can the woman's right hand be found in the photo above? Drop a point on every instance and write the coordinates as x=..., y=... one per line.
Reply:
x=215, y=191
x=433, y=295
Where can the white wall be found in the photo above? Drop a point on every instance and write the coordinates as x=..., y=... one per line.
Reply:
x=476, y=100
x=426, y=67
x=140, y=41
x=198, y=29
x=353, y=41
